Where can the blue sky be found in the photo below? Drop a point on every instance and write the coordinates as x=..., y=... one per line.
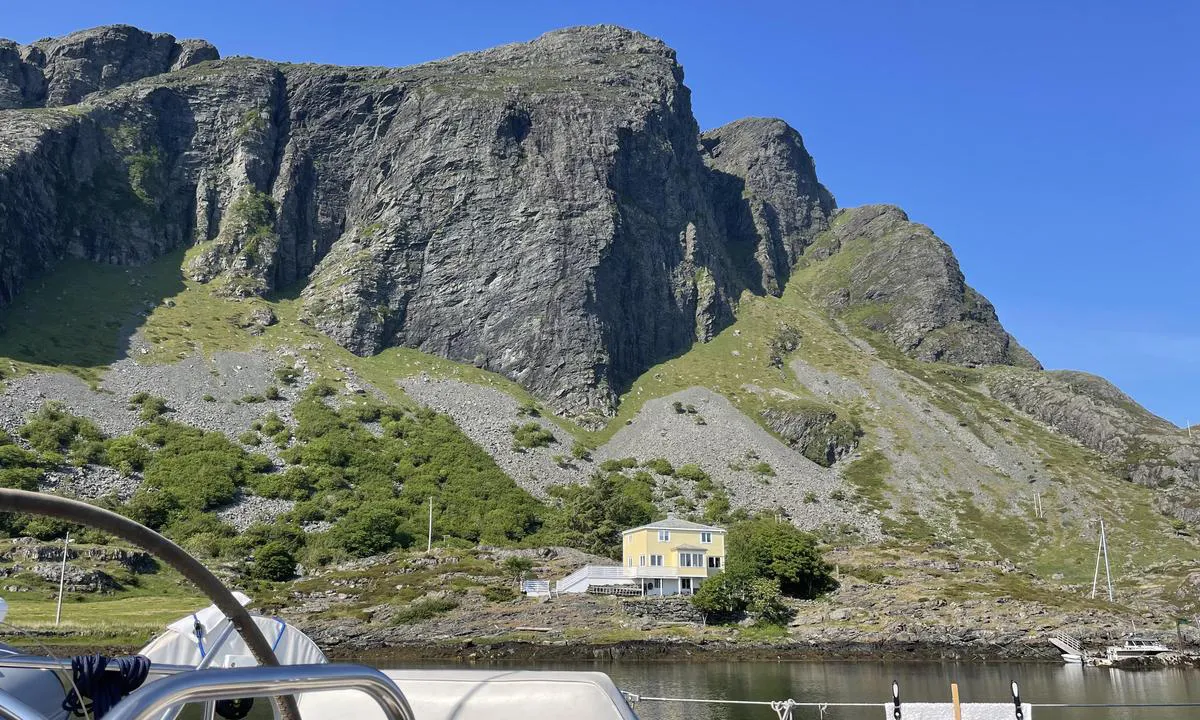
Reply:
x=1055, y=146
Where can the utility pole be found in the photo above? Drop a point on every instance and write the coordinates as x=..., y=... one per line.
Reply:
x=62, y=580
x=429, y=543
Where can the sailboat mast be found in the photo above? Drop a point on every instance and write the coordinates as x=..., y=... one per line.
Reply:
x=1107, y=572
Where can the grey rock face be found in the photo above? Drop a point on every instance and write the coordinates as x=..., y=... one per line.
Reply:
x=138, y=172
x=1143, y=447
x=770, y=187
x=60, y=71
x=545, y=210
x=542, y=210
x=899, y=279
x=816, y=432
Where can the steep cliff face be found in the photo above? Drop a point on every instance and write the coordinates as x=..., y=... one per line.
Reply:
x=546, y=210
x=768, y=187
x=882, y=272
x=133, y=173
x=538, y=210
x=543, y=210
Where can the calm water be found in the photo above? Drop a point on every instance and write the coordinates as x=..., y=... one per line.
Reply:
x=869, y=682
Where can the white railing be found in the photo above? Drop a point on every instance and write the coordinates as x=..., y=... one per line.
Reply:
x=657, y=571
x=535, y=587
x=586, y=574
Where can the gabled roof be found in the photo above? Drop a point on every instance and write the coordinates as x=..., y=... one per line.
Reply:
x=676, y=524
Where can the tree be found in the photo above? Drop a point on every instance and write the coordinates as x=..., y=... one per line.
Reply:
x=518, y=567
x=592, y=516
x=274, y=562
x=778, y=551
x=726, y=594
x=369, y=530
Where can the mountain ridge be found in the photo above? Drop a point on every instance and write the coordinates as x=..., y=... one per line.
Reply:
x=541, y=234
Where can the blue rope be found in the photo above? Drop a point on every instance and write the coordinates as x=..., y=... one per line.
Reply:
x=104, y=688
x=198, y=631
x=282, y=630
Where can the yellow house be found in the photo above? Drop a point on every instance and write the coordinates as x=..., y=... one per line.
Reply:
x=672, y=556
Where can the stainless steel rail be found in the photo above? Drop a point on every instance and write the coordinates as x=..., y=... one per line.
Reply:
x=13, y=709
x=150, y=701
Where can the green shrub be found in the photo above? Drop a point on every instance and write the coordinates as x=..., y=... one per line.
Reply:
x=250, y=438
x=696, y=474
x=321, y=388
x=517, y=567
x=499, y=593
x=678, y=407
x=837, y=495
x=529, y=408
x=364, y=411
x=152, y=407
x=200, y=470
x=660, y=466
x=530, y=435
x=295, y=483
x=370, y=530
x=287, y=375
x=724, y=595
x=810, y=498
x=127, y=454
x=716, y=508
x=424, y=610
x=253, y=399
x=579, y=451
x=763, y=469
x=272, y=393
x=53, y=429
x=618, y=465
x=209, y=398
x=19, y=468
x=274, y=561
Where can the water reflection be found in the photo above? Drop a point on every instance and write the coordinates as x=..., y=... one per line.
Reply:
x=871, y=682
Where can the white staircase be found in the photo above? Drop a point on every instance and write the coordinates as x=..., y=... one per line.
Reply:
x=1071, y=649
x=588, y=575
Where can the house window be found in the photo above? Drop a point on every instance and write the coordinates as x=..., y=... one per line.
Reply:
x=706, y=537
x=714, y=561
x=691, y=560
x=656, y=560
x=641, y=561
x=664, y=535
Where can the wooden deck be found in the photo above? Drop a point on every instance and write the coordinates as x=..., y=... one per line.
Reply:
x=620, y=590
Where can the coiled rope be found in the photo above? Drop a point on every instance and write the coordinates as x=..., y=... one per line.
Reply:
x=91, y=679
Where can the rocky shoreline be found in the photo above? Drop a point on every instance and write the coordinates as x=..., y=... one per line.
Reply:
x=698, y=651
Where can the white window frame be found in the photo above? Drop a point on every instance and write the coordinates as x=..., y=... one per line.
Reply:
x=714, y=562
x=656, y=561
x=705, y=537
x=641, y=561
x=664, y=536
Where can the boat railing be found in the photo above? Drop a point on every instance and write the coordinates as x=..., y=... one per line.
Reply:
x=12, y=708
x=262, y=681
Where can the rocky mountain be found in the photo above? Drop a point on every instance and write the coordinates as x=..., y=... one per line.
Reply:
x=540, y=234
